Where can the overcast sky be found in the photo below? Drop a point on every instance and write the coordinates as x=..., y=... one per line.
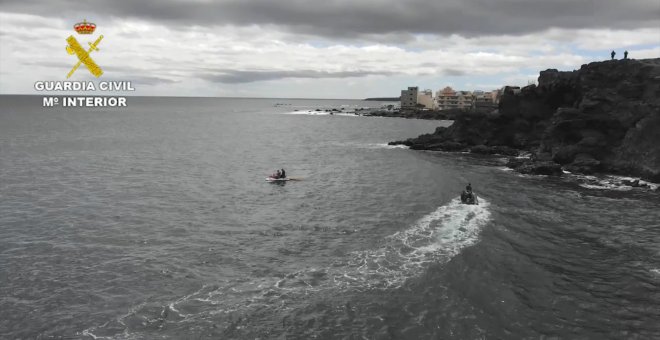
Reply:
x=319, y=49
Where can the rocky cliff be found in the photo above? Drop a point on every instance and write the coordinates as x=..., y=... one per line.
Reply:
x=604, y=117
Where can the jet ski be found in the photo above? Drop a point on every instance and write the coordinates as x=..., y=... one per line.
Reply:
x=469, y=198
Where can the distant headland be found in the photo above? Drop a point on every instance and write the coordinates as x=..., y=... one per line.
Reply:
x=383, y=99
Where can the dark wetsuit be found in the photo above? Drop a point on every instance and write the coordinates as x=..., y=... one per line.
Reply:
x=283, y=175
x=468, y=197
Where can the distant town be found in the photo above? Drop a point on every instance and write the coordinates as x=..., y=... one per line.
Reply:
x=448, y=98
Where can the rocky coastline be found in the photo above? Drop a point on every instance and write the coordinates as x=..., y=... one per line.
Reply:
x=602, y=118
x=414, y=113
x=392, y=112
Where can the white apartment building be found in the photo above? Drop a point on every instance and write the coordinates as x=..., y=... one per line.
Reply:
x=483, y=99
x=426, y=98
x=448, y=98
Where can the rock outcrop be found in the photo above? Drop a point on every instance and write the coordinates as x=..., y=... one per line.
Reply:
x=604, y=117
x=414, y=113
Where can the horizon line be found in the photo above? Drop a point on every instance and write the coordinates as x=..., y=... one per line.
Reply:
x=167, y=96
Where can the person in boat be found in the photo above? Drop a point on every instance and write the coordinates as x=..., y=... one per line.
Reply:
x=276, y=175
x=469, y=188
x=283, y=174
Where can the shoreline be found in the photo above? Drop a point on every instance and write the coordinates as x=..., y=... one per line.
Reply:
x=600, y=119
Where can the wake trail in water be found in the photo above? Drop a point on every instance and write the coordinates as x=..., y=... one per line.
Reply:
x=435, y=238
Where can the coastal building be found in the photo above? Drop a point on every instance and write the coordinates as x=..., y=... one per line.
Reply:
x=426, y=98
x=448, y=98
x=409, y=98
x=510, y=89
x=483, y=100
x=495, y=94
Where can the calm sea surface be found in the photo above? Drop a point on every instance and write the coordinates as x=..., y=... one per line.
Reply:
x=155, y=222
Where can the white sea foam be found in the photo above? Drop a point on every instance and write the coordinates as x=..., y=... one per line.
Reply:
x=386, y=146
x=622, y=179
x=435, y=238
x=307, y=112
x=321, y=113
x=88, y=333
x=602, y=185
x=611, y=182
x=370, y=146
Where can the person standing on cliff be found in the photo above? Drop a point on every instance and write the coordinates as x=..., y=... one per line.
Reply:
x=613, y=54
x=625, y=55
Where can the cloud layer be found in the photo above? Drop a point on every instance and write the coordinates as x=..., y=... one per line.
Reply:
x=332, y=48
x=350, y=18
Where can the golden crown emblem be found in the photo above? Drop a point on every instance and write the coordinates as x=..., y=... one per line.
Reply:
x=85, y=27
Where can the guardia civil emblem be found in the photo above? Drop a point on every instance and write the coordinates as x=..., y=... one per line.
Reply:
x=75, y=48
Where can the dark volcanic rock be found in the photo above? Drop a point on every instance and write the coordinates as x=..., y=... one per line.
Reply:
x=450, y=146
x=639, y=151
x=494, y=150
x=401, y=142
x=416, y=114
x=584, y=163
x=515, y=163
x=535, y=167
x=505, y=150
x=540, y=168
x=604, y=117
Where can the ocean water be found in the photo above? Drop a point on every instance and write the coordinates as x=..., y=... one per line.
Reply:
x=156, y=222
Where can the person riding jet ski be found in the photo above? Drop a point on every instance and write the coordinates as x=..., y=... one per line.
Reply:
x=276, y=175
x=467, y=196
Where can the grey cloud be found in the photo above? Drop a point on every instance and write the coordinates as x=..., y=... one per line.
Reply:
x=440, y=69
x=148, y=80
x=236, y=76
x=139, y=79
x=453, y=72
x=371, y=18
x=53, y=64
x=135, y=75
